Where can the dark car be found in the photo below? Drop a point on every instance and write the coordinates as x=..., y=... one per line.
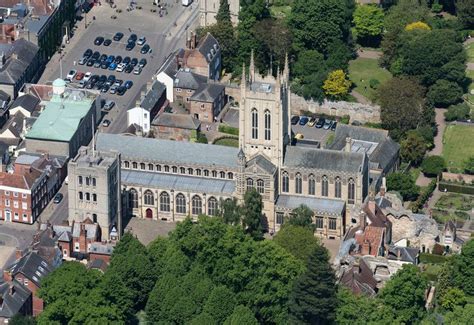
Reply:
x=121, y=90
x=105, y=88
x=105, y=65
x=320, y=122
x=126, y=60
x=90, y=62
x=96, y=55
x=106, y=123
x=87, y=53
x=134, y=62
x=128, y=69
x=294, y=120
x=304, y=120
x=103, y=57
x=333, y=127
x=132, y=38
x=99, y=40
x=110, y=58
x=145, y=49
x=118, y=82
x=118, y=59
x=118, y=36
x=58, y=198
x=142, y=63
x=90, y=84
x=128, y=84
x=103, y=78
x=111, y=80
x=98, y=63
x=130, y=46
x=107, y=42
x=98, y=85
x=94, y=78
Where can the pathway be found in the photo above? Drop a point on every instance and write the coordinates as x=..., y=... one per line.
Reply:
x=360, y=98
x=369, y=54
x=470, y=66
x=438, y=140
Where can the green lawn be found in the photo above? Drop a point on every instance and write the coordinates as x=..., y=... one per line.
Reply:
x=362, y=70
x=280, y=11
x=228, y=142
x=470, y=97
x=470, y=52
x=455, y=201
x=458, y=145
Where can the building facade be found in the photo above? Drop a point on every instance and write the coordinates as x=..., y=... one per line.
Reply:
x=208, y=11
x=94, y=189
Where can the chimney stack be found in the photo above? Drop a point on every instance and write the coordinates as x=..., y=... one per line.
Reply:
x=371, y=202
x=348, y=147
x=383, y=188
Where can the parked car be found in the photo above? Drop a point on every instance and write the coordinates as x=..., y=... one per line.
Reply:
x=58, y=198
x=90, y=62
x=79, y=76
x=103, y=78
x=132, y=38
x=105, y=123
x=82, y=84
x=142, y=63
x=110, y=58
x=103, y=57
x=126, y=60
x=87, y=53
x=137, y=70
x=96, y=55
x=128, y=84
x=320, y=123
x=327, y=124
x=97, y=64
x=121, y=67
x=71, y=75
x=99, y=40
x=295, y=119
x=107, y=42
x=90, y=84
x=121, y=90
x=130, y=46
x=113, y=89
x=105, y=88
x=109, y=104
x=83, y=61
x=129, y=68
x=141, y=40
x=118, y=36
x=118, y=82
x=303, y=120
x=118, y=59
x=113, y=66
x=312, y=121
x=105, y=65
x=145, y=49
x=111, y=79
x=87, y=76
x=299, y=136
x=134, y=62
x=333, y=127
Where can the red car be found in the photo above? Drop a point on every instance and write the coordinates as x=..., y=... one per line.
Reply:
x=79, y=75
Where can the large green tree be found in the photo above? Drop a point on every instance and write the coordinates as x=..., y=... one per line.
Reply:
x=302, y=216
x=252, y=219
x=368, y=24
x=313, y=299
x=444, y=93
x=241, y=316
x=463, y=268
x=298, y=241
x=465, y=12
x=230, y=211
x=404, y=184
x=413, y=148
x=220, y=303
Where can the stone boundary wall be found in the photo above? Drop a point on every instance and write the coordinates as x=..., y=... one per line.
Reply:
x=358, y=112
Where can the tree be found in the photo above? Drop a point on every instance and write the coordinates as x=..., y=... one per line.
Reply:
x=465, y=12
x=452, y=298
x=463, y=268
x=457, y=112
x=336, y=85
x=313, y=299
x=20, y=319
x=252, y=219
x=309, y=70
x=404, y=184
x=203, y=319
x=298, y=241
x=469, y=166
x=413, y=148
x=356, y=309
x=241, y=316
x=220, y=304
x=460, y=315
x=368, y=24
x=444, y=93
x=433, y=165
x=401, y=102
x=230, y=212
x=404, y=294
x=417, y=25
x=302, y=216
x=223, y=14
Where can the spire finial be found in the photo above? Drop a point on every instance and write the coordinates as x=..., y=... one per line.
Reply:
x=252, y=67
x=286, y=69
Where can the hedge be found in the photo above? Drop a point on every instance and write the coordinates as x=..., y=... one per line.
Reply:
x=423, y=197
x=228, y=129
x=456, y=188
x=432, y=259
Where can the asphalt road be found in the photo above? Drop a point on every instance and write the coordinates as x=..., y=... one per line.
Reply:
x=57, y=213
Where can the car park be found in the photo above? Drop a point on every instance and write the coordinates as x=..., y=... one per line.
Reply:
x=109, y=104
x=126, y=60
x=105, y=88
x=87, y=53
x=130, y=46
x=113, y=89
x=121, y=67
x=142, y=63
x=134, y=62
x=98, y=40
x=303, y=120
x=111, y=80
x=107, y=42
x=320, y=123
x=129, y=68
x=145, y=49
x=128, y=84
x=121, y=90
x=71, y=75
x=333, y=127
x=79, y=76
x=132, y=38
x=141, y=40
x=96, y=55
x=118, y=36
x=137, y=70
x=294, y=120
x=118, y=82
x=312, y=121
x=327, y=124
x=105, y=123
x=113, y=66
x=118, y=59
x=83, y=61
x=57, y=198
x=87, y=76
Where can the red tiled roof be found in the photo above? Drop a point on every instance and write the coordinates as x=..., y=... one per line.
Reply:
x=374, y=237
x=24, y=180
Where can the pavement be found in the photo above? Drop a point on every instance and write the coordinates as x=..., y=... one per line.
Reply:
x=14, y=236
x=147, y=230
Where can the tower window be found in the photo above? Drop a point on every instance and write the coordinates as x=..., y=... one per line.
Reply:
x=285, y=184
x=267, y=125
x=298, y=184
x=254, y=124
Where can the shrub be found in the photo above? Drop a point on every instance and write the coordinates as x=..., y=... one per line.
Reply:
x=201, y=138
x=417, y=25
x=457, y=112
x=432, y=259
x=374, y=83
x=423, y=197
x=444, y=93
x=469, y=166
x=433, y=165
x=404, y=184
x=345, y=119
x=228, y=129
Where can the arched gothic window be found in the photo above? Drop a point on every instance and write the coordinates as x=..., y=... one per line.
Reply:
x=324, y=186
x=196, y=205
x=337, y=187
x=285, y=182
x=254, y=124
x=165, y=202
x=249, y=183
x=298, y=184
x=311, y=185
x=133, y=198
x=180, y=203
x=212, y=206
x=260, y=186
x=267, y=125
x=149, y=199
x=351, y=191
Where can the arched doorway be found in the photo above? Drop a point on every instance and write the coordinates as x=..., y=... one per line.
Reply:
x=149, y=214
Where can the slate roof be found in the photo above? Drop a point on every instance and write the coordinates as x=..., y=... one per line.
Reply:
x=97, y=264
x=263, y=163
x=32, y=266
x=188, y=80
x=99, y=248
x=91, y=230
x=301, y=157
x=153, y=95
x=4, y=96
x=407, y=254
x=65, y=236
x=170, y=66
x=177, y=182
x=14, y=125
x=207, y=93
x=360, y=279
x=319, y=205
x=180, y=121
x=14, y=68
x=28, y=102
x=12, y=303
x=206, y=44
x=167, y=151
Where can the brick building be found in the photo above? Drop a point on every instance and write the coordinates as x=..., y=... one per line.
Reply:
x=207, y=102
x=180, y=127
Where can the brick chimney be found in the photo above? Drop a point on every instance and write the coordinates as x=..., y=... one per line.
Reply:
x=348, y=147
x=383, y=188
x=371, y=202
x=82, y=239
x=7, y=277
x=365, y=248
x=362, y=221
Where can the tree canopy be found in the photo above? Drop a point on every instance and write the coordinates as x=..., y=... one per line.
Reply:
x=368, y=24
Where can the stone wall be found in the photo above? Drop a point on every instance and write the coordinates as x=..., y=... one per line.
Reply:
x=358, y=112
